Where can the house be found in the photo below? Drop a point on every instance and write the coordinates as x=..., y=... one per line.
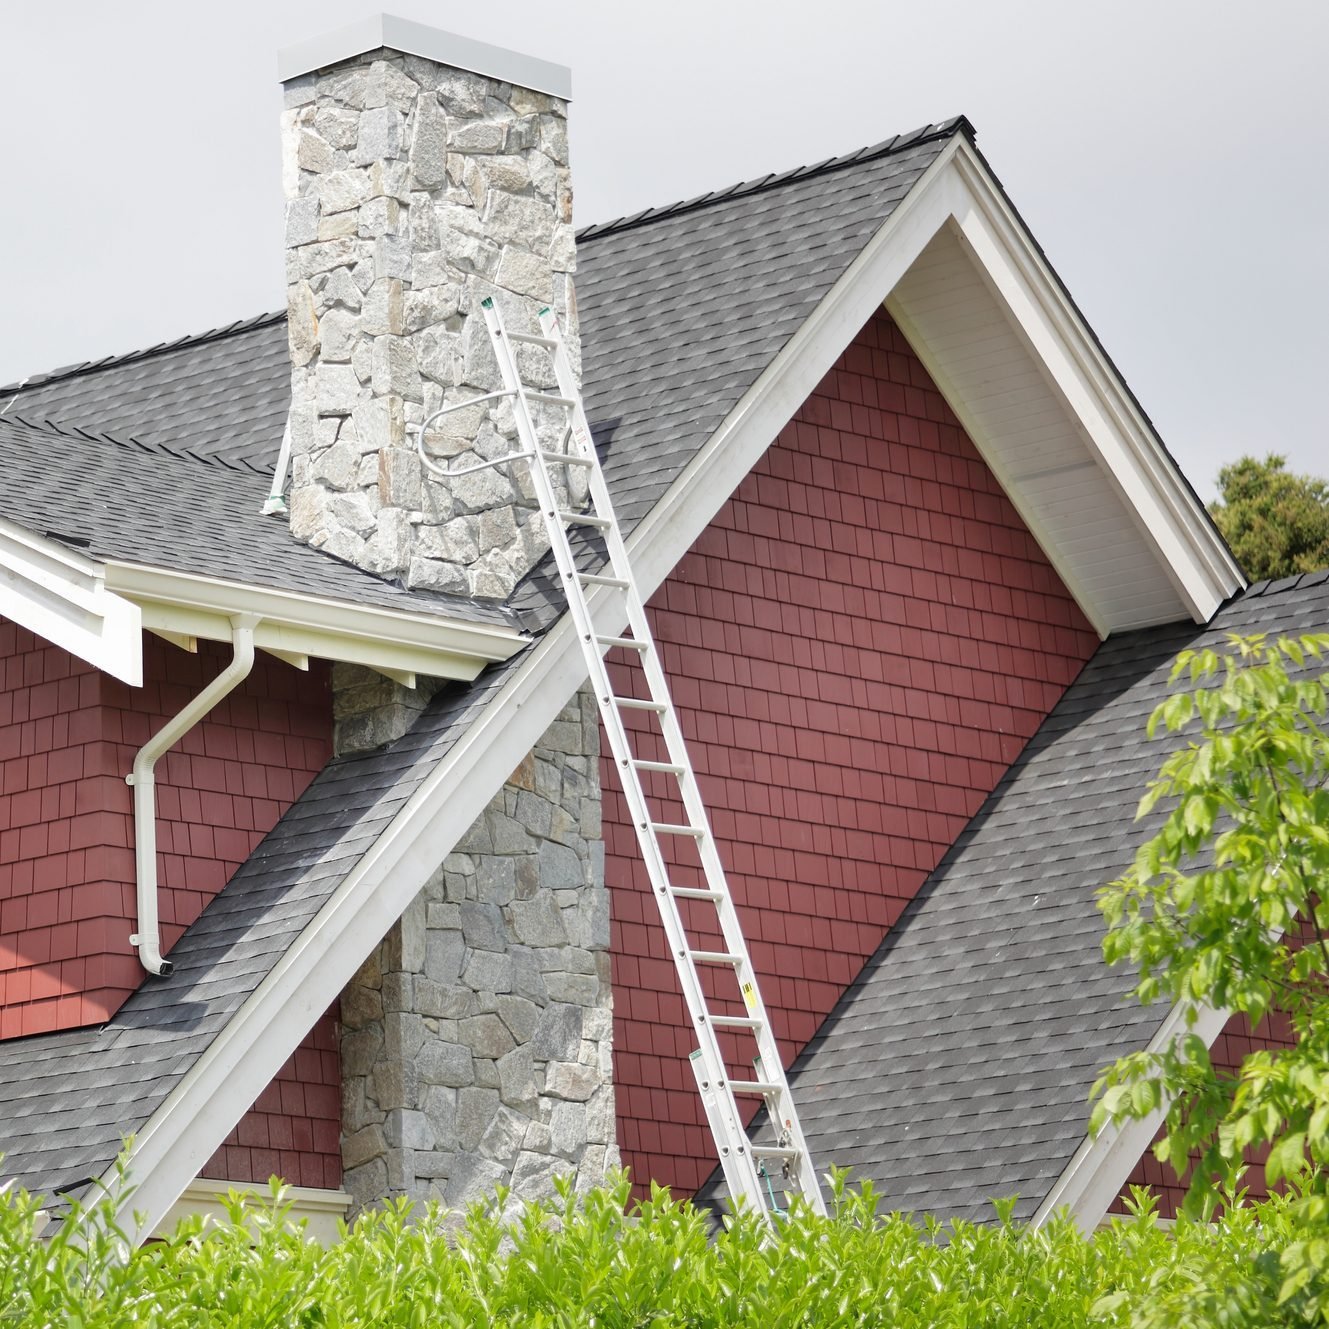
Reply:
x=918, y=562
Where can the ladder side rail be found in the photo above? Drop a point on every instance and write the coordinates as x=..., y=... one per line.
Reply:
x=783, y=1110
x=740, y=1170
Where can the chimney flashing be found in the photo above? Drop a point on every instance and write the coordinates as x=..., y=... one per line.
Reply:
x=411, y=38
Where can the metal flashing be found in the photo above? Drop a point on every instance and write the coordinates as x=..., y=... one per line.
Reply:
x=448, y=48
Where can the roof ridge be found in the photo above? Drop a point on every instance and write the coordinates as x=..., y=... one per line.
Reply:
x=886, y=148
x=129, y=442
x=145, y=353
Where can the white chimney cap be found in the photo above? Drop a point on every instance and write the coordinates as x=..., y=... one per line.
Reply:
x=403, y=34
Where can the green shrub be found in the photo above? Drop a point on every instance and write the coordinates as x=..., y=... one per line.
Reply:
x=585, y=1261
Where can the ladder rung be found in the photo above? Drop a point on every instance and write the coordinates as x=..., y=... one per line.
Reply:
x=549, y=398
x=735, y=1022
x=585, y=519
x=673, y=828
x=754, y=1087
x=566, y=458
x=636, y=704
x=594, y=579
x=532, y=339
x=714, y=957
x=668, y=767
x=696, y=893
x=774, y=1151
x=628, y=643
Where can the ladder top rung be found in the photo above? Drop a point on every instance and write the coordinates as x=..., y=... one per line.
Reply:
x=585, y=519
x=628, y=643
x=533, y=339
x=674, y=828
x=595, y=579
x=696, y=893
x=755, y=1087
x=736, y=1022
x=549, y=398
x=637, y=704
x=669, y=767
x=714, y=957
x=774, y=1151
x=566, y=458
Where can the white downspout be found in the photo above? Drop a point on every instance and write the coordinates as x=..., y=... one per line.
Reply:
x=148, y=936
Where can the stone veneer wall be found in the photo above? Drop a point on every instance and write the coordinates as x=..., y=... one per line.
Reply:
x=415, y=190
x=475, y=1041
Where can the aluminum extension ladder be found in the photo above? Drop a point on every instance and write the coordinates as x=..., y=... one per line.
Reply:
x=756, y=1174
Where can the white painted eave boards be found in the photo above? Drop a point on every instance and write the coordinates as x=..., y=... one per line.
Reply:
x=1052, y=418
x=62, y=597
x=98, y=611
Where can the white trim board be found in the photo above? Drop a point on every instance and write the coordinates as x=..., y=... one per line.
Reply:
x=957, y=193
x=217, y=1089
x=185, y=606
x=321, y=1211
x=1100, y=1166
x=62, y=597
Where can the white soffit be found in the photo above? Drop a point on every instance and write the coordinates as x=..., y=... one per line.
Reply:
x=1039, y=401
x=1031, y=441
x=62, y=597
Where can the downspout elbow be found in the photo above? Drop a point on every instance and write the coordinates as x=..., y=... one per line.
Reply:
x=142, y=778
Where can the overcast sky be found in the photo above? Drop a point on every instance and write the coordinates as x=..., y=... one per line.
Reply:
x=1170, y=156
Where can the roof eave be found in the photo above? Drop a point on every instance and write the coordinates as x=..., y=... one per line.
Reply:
x=63, y=597
x=1187, y=541
x=182, y=605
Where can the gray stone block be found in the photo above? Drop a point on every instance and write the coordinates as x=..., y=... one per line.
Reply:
x=558, y=1035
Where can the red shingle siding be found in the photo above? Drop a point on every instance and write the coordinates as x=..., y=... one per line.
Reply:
x=68, y=735
x=1231, y=1046
x=859, y=644
x=293, y=1131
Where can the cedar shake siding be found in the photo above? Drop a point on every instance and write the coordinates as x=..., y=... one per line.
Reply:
x=859, y=644
x=68, y=735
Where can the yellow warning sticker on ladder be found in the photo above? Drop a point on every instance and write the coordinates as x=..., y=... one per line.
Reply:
x=750, y=996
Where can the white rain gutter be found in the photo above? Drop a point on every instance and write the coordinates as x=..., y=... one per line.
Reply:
x=148, y=937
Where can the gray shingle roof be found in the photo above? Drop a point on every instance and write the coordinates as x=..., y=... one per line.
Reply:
x=142, y=503
x=681, y=309
x=223, y=393
x=958, y=1065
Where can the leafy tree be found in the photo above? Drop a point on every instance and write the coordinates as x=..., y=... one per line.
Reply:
x=1276, y=521
x=1224, y=906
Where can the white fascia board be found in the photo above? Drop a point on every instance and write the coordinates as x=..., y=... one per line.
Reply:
x=1167, y=513
x=63, y=597
x=1100, y=1166
x=666, y=532
x=188, y=605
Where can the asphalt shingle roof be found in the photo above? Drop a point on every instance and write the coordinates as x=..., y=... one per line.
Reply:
x=116, y=499
x=681, y=309
x=958, y=1065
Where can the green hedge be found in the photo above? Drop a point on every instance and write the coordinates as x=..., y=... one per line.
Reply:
x=582, y=1262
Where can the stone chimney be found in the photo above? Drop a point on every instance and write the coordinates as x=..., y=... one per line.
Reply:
x=423, y=172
